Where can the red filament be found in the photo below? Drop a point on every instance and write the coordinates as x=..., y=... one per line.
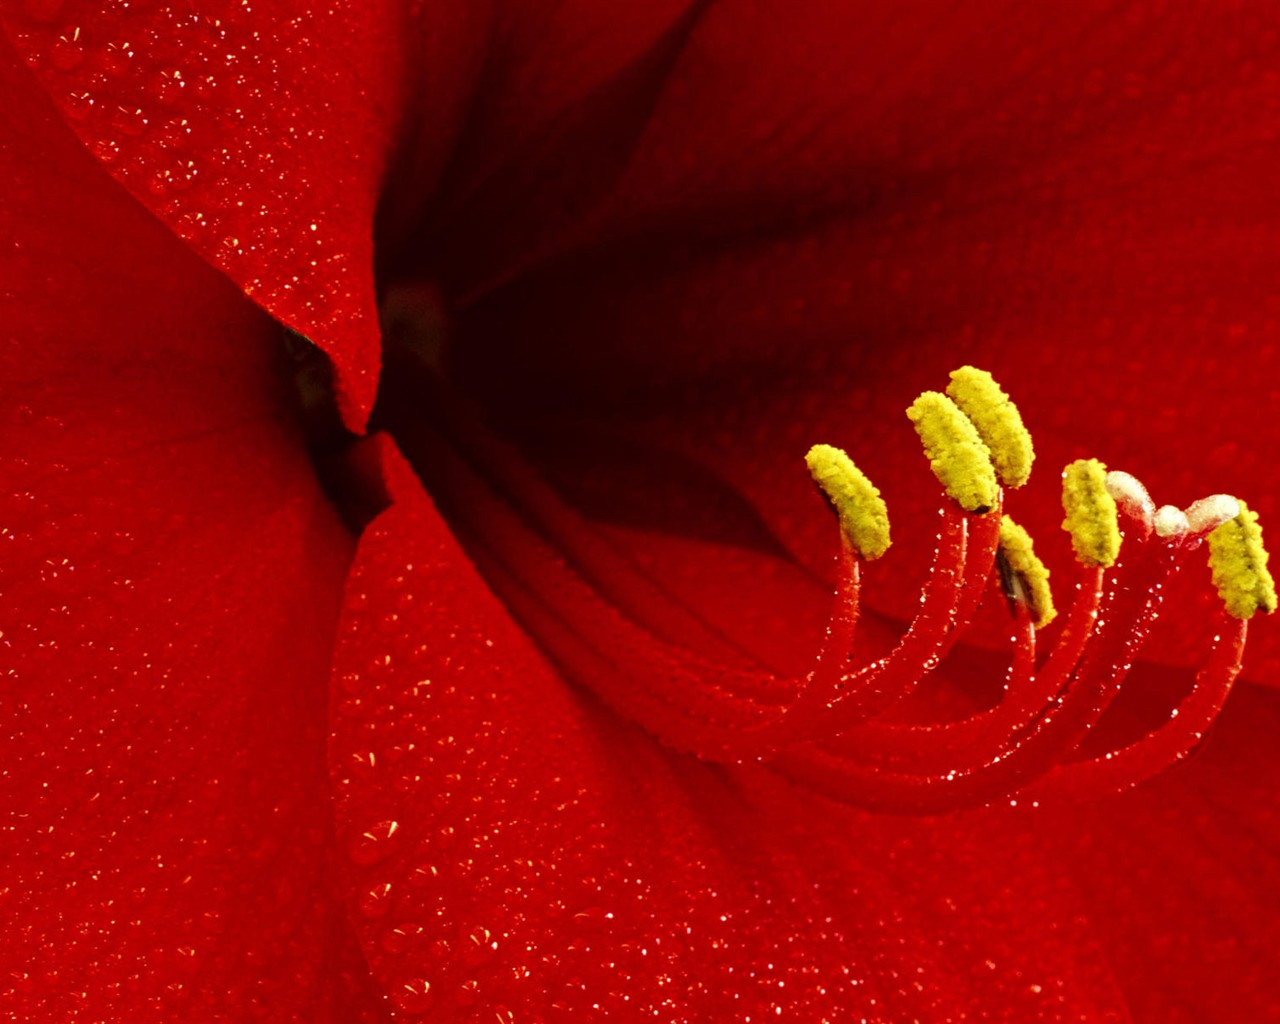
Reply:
x=617, y=631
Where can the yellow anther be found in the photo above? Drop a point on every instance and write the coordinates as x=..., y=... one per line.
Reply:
x=1239, y=564
x=998, y=421
x=1091, y=518
x=863, y=516
x=960, y=459
x=1025, y=577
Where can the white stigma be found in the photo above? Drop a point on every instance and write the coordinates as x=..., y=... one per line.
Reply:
x=1171, y=521
x=1207, y=514
x=1128, y=492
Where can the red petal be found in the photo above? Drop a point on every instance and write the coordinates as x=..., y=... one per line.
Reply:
x=516, y=850
x=169, y=582
x=260, y=134
x=1183, y=875
x=823, y=218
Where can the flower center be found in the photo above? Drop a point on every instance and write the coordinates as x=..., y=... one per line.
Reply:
x=618, y=632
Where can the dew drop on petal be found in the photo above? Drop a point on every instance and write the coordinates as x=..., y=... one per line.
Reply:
x=376, y=901
x=115, y=57
x=424, y=876
x=106, y=150
x=130, y=120
x=412, y=995
x=468, y=994
x=479, y=947
x=168, y=85
x=374, y=844
x=400, y=937
x=67, y=51
x=78, y=105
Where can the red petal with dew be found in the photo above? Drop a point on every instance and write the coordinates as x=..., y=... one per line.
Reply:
x=261, y=135
x=270, y=138
x=169, y=583
x=1182, y=875
x=517, y=852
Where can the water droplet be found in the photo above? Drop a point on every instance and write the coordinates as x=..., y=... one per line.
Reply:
x=174, y=132
x=441, y=949
x=115, y=57
x=130, y=120
x=413, y=995
x=479, y=947
x=169, y=86
x=400, y=937
x=376, y=901
x=592, y=919
x=106, y=150
x=68, y=50
x=468, y=993
x=78, y=105
x=183, y=173
x=374, y=844
x=192, y=224
x=424, y=876
x=204, y=86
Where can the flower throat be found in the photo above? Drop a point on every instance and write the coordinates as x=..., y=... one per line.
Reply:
x=617, y=632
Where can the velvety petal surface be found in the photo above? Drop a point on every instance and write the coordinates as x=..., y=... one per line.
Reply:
x=827, y=210
x=169, y=583
x=270, y=138
x=260, y=134
x=518, y=853
x=1182, y=876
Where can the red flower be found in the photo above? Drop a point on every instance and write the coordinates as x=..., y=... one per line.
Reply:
x=256, y=769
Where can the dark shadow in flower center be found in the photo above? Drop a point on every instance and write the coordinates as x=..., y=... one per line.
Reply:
x=546, y=476
x=349, y=481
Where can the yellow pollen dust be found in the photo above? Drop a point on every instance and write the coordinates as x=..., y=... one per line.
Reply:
x=1091, y=519
x=998, y=421
x=957, y=454
x=864, y=519
x=1239, y=564
x=1028, y=571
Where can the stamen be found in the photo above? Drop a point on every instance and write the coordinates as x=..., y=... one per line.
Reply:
x=1091, y=513
x=1239, y=564
x=1026, y=578
x=864, y=520
x=997, y=421
x=931, y=768
x=1171, y=742
x=981, y=737
x=854, y=697
x=618, y=631
x=959, y=458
